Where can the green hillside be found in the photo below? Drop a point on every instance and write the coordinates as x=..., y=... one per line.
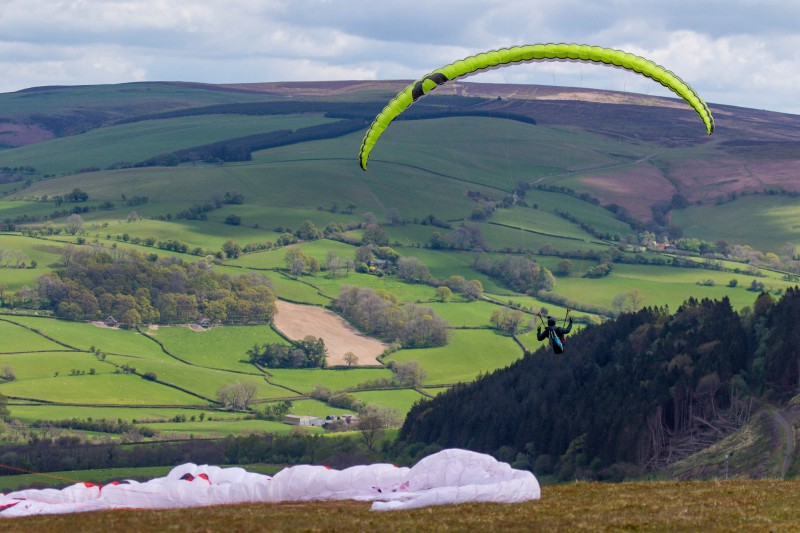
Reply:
x=594, y=205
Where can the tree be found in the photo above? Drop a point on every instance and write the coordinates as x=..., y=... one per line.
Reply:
x=630, y=301
x=444, y=294
x=296, y=261
x=413, y=270
x=364, y=254
x=372, y=422
x=333, y=263
x=308, y=231
x=4, y=412
x=232, y=249
x=374, y=234
x=73, y=224
x=564, y=267
x=393, y=217
x=369, y=218
x=437, y=242
x=465, y=237
x=636, y=298
x=7, y=373
x=77, y=195
x=131, y=318
x=350, y=359
x=507, y=320
x=370, y=428
x=410, y=374
x=233, y=220
x=277, y=410
x=473, y=289
x=618, y=303
x=237, y=396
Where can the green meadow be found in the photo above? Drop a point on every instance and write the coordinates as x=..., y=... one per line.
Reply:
x=216, y=348
x=220, y=428
x=666, y=285
x=398, y=400
x=136, y=142
x=468, y=354
x=117, y=101
x=99, y=389
x=145, y=415
x=765, y=222
x=306, y=380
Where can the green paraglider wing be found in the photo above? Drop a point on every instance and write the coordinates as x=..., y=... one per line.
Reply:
x=522, y=54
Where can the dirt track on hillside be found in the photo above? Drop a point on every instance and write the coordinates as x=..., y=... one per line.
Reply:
x=297, y=321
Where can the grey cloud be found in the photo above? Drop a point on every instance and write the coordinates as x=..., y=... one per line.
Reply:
x=708, y=42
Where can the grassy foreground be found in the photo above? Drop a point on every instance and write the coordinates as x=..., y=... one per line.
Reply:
x=760, y=505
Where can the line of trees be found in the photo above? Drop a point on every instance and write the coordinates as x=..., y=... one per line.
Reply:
x=517, y=273
x=378, y=313
x=11, y=258
x=70, y=453
x=133, y=288
x=309, y=352
x=237, y=396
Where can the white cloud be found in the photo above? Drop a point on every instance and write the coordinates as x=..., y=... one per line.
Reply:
x=737, y=52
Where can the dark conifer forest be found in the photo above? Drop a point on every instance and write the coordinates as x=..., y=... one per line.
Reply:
x=627, y=394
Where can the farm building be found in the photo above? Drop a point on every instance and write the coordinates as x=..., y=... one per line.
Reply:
x=302, y=420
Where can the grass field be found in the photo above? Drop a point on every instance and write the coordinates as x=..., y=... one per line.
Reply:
x=139, y=141
x=399, y=401
x=664, y=285
x=145, y=415
x=83, y=336
x=17, y=338
x=221, y=428
x=731, y=505
x=764, y=222
x=305, y=380
x=99, y=389
x=118, y=100
x=219, y=347
x=468, y=354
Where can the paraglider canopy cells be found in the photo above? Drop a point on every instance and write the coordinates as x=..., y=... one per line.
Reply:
x=447, y=477
x=527, y=54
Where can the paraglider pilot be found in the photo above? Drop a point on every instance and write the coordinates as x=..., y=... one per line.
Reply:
x=554, y=333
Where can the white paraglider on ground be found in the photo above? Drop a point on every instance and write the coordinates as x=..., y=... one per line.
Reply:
x=448, y=477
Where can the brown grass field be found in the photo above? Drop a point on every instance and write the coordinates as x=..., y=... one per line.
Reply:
x=731, y=505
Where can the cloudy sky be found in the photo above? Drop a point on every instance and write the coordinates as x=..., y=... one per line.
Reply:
x=737, y=52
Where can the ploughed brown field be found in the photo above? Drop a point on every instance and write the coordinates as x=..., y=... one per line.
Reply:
x=298, y=321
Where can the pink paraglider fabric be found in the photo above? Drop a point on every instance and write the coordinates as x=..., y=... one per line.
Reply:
x=448, y=477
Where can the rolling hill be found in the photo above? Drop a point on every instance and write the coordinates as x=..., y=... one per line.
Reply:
x=571, y=178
